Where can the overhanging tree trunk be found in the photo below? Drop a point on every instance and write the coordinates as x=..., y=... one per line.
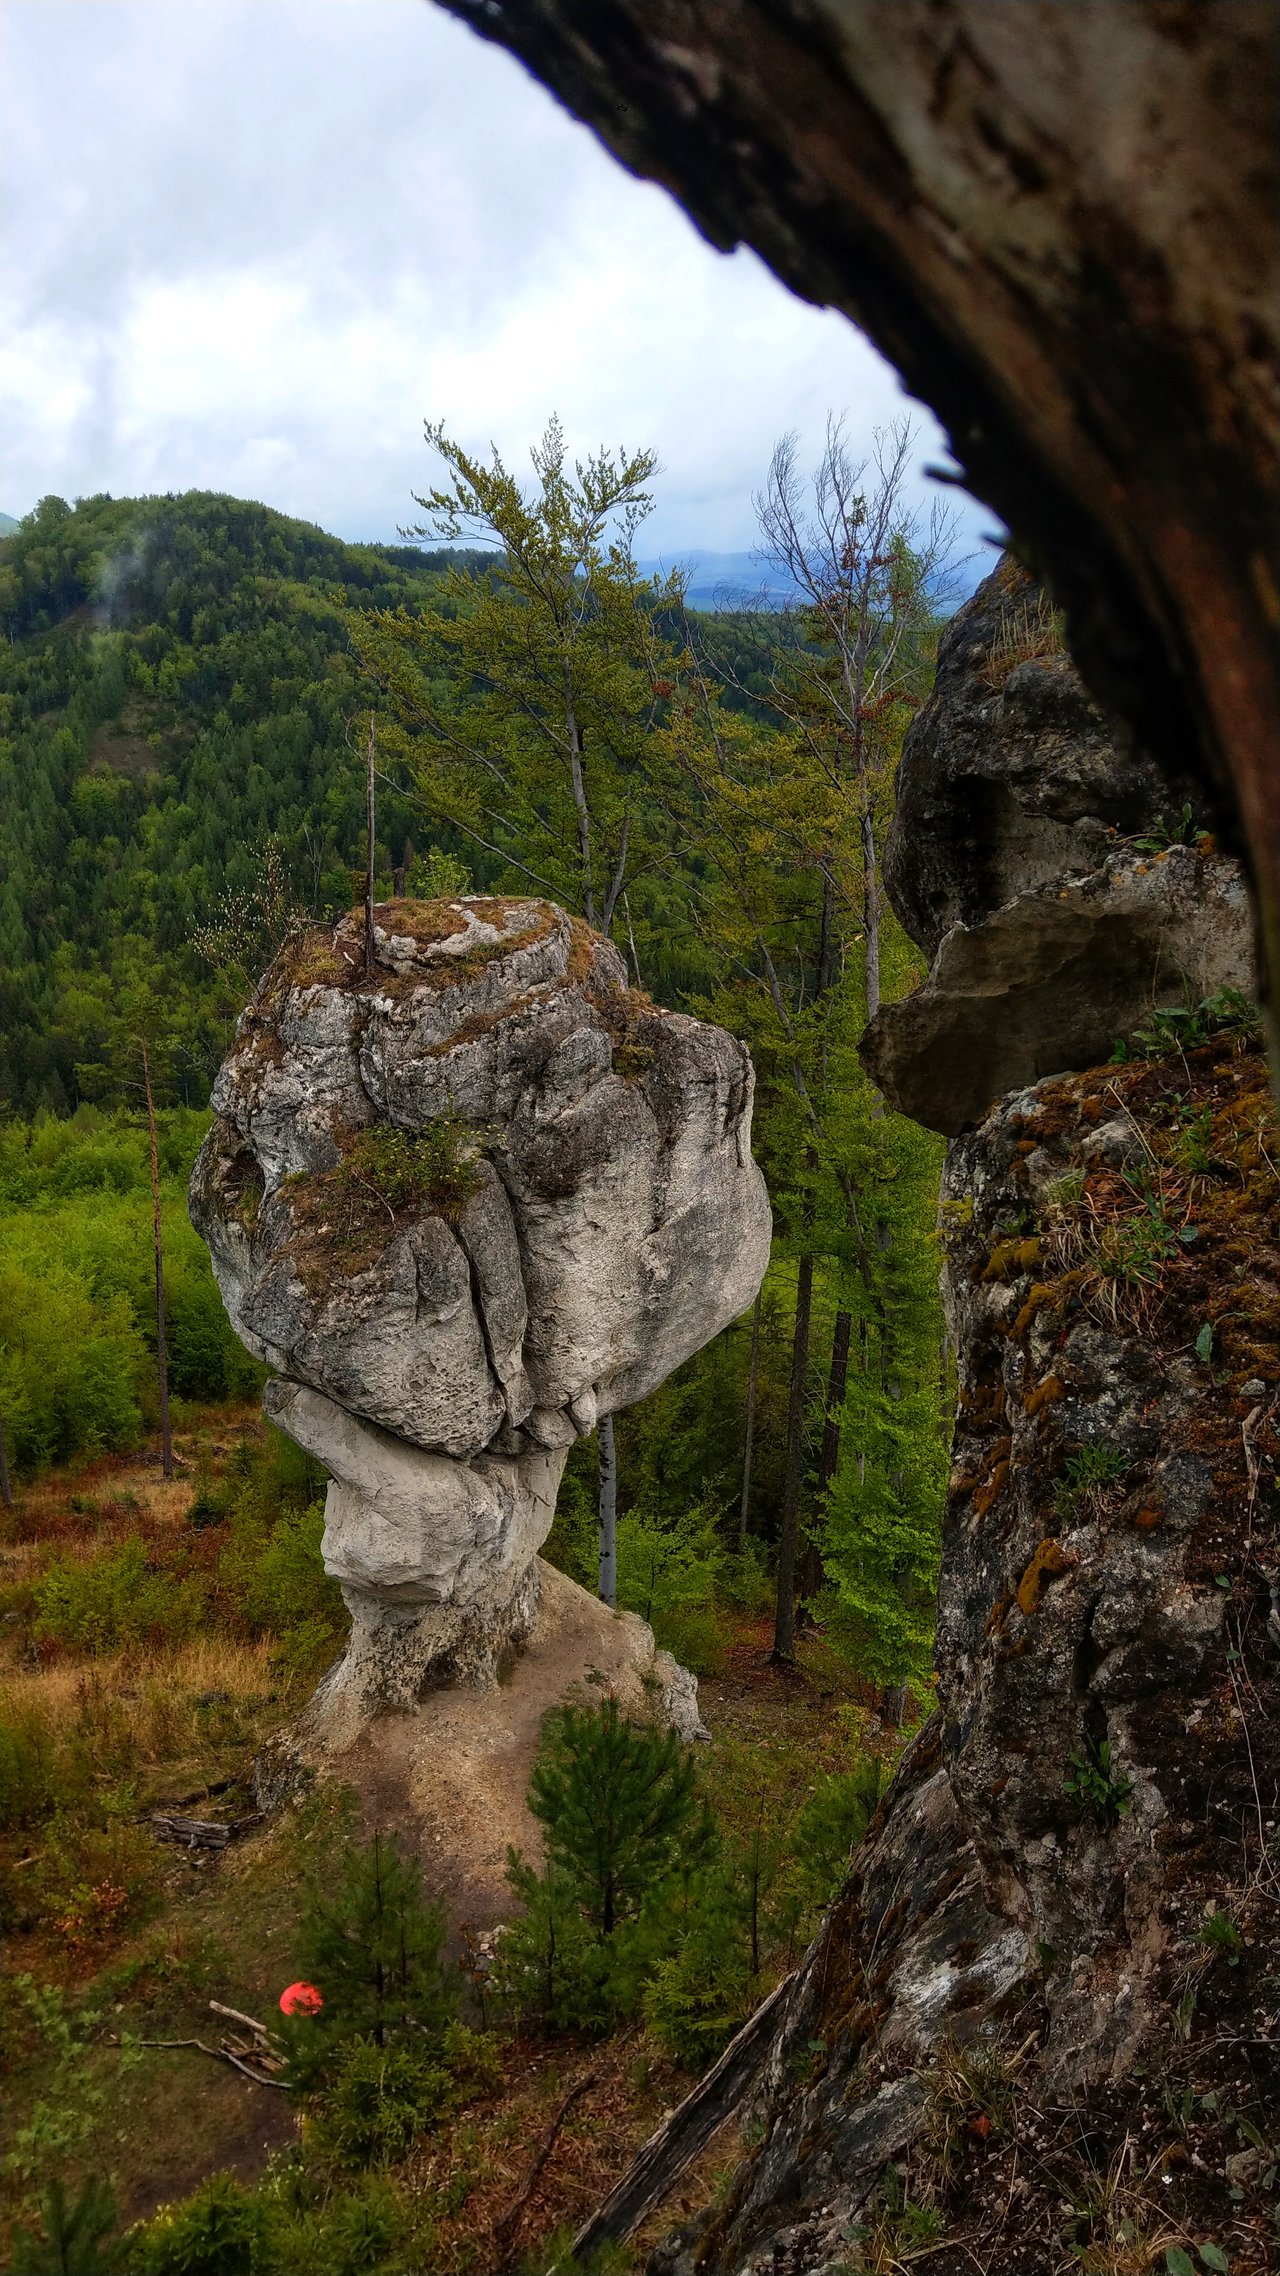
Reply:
x=608, y=1512
x=784, y=1633
x=157, y=1233
x=370, y=799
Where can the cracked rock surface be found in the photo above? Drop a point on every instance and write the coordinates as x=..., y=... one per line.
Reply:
x=464, y=1206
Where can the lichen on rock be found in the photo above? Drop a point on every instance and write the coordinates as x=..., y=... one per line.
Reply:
x=464, y=1205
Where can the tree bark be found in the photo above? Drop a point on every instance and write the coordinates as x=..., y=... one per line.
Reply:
x=608, y=1512
x=157, y=1234
x=370, y=796
x=784, y=1633
x=837, y=1384
x=749, y=1433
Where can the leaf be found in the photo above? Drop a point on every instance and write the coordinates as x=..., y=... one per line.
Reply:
x=1213, y=2256
x=1178, y=2262
x=1204, y=1344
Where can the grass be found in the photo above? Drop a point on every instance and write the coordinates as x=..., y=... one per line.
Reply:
x=116, y=1940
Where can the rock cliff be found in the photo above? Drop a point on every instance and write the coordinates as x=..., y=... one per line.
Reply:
x=465, y=1205
x=1039, y=866
x=1040, y=2026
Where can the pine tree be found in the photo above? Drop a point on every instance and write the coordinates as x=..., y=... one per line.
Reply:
x=373, y=1950
x=618, y=1802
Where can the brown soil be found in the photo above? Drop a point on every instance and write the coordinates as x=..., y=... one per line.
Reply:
x=453, y=1777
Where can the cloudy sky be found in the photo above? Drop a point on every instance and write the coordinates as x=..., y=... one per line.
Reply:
x=249, y=245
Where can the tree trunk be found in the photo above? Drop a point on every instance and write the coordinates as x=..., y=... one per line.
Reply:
x=581, y=808
x=749, y=1433
x=871, y=914
x=608, y=1512
x=371, y=857
x=837, y=1384
x=157, y=1231
x=6, y=1490
x=784, y=1633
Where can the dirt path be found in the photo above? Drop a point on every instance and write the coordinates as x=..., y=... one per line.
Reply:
x=452, y=1778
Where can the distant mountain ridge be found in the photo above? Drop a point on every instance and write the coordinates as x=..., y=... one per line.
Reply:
x=7, y=522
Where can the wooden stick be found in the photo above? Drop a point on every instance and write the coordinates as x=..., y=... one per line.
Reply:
x=681, y=2137
x=220, y=2055
x=504, y=2234
x=234, y=2015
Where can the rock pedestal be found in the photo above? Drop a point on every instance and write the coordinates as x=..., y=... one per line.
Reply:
x=466, y=1204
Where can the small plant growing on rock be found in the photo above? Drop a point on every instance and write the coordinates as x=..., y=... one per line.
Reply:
x=405, y=1170
x=1089, y=1471
x=1220, y=1937
x=1095, y=1781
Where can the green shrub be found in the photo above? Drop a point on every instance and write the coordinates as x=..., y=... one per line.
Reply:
x=28, y=1767
x=702, y=1990
x=619, y=1806
x=1088, y=1471
x=77, y=2239
x=550, y=1966
x=379, y=2099
x=835, y=1816
x=401, y=1170
x=108, y=1602
x=223, y=2230
x=670, y=1573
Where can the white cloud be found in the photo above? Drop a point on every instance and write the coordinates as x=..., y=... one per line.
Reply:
x=250, y=244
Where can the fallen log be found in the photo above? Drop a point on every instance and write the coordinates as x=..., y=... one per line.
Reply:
x=198, y=1833
x=680, y=2138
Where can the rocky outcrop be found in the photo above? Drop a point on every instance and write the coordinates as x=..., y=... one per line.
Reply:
x=1059, y=976
x=1022, y=1931
x=465, y=1205
x=1011, y=776
x=1022, y=859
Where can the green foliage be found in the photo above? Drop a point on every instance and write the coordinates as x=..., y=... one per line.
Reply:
x=372, y=1946
x=1089, y=1470
x=835, y=1816
x=617, y=1803
x=671, y=1573
x=109, y=1602
x=378, y=2099
x=1185, y=1027
x=1097, y=1783
x=77, y=2239
x=77, y=1305
x=405, y=1170
x=175, y=687
x=1220, y=1936
x=525, y=708
x=222, y=2230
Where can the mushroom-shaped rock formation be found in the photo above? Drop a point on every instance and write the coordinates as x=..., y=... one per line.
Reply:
x=464, y=1205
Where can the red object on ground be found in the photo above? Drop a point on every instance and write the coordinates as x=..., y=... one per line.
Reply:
x=300, y=1999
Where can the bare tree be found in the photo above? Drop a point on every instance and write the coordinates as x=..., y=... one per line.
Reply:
x=867, y=573
x=608, y=1510
x=157, y=1234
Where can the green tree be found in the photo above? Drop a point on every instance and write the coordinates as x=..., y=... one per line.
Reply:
x=618, y=1803
x=373, y=1949
x=524, y=703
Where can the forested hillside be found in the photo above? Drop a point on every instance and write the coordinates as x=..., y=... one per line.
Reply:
x=175, y=692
